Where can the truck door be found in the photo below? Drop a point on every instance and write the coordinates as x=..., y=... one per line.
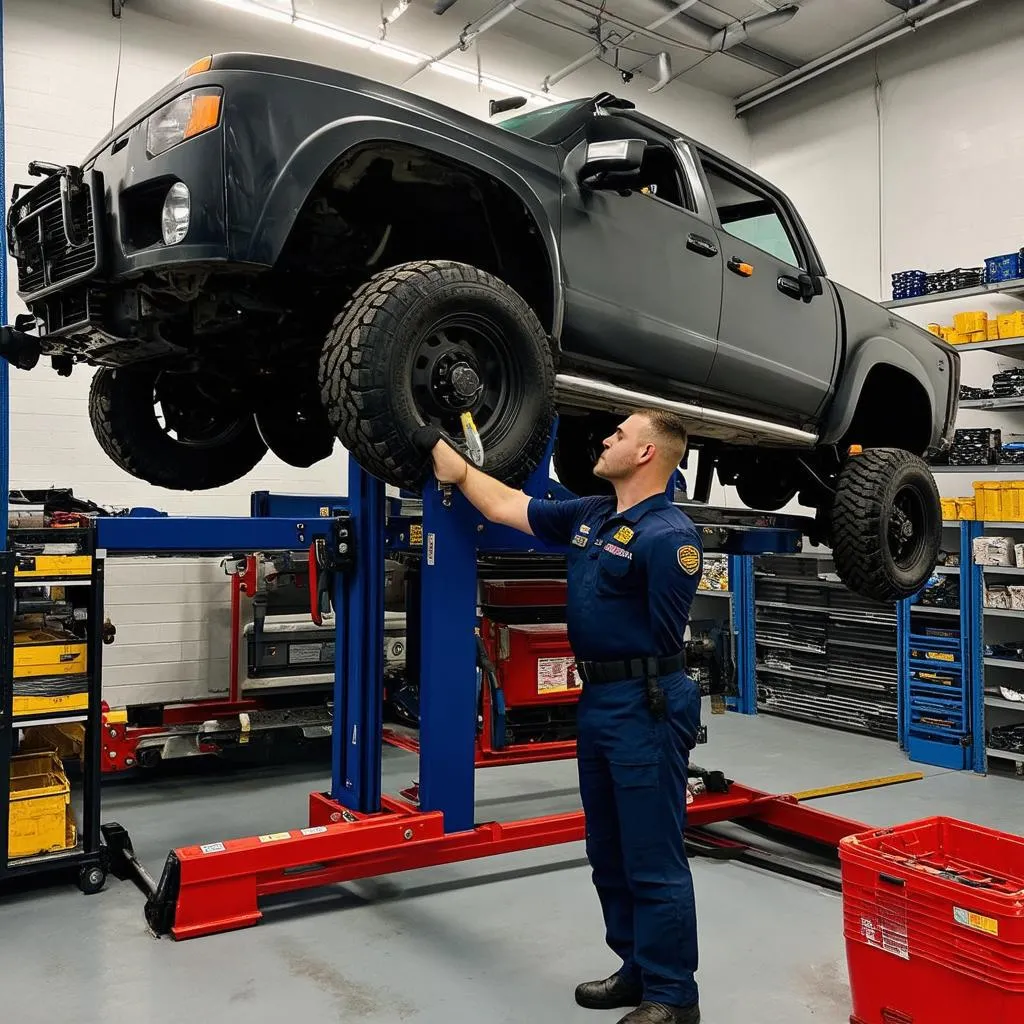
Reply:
x=778, y=342
x=643, y=272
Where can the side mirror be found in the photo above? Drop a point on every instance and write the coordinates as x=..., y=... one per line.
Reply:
x=608, y=164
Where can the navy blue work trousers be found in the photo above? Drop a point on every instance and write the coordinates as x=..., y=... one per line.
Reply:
x=632, y=769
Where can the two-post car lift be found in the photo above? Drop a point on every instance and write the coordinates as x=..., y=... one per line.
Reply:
x=354, y=830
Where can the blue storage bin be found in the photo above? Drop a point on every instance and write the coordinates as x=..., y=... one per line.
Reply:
x=1002, y=268
x=908, y=284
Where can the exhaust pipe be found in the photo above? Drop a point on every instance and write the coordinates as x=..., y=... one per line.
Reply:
x=586, y=393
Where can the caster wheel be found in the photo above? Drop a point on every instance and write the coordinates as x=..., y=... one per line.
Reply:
x=91, y=879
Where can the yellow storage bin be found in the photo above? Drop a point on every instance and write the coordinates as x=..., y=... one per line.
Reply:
x=999, y=501
x=37, y=763
x=958, y=508
x=39, y=566
x=993, y=329
x=974, y=336
x=936, y=329
x=39, y=815
x=952, y=335
x=66, y=739
x=1011, y=325
x=971, y=322
x=48, y=652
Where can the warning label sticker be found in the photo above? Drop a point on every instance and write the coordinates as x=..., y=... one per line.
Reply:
x=557, y=675
x=978, y=922
x=212, y=848
x=315, y=830
x=274, y=836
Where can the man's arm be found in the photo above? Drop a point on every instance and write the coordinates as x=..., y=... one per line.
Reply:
x=496, y=501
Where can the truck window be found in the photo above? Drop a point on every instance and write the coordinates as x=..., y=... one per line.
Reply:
x=661, y=176
x=749, y=214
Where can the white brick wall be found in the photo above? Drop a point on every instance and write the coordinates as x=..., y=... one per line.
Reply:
x=929, y=179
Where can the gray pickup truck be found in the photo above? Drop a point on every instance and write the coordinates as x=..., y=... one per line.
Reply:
x=271, y=254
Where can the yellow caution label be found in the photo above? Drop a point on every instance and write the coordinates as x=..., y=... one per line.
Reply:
x=272, y=837
x=978, y=922
x=940, y=656
x=416, y=534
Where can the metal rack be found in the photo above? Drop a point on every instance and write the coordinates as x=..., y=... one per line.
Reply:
x=86, y=856
x=812, y=662
x=997, y=624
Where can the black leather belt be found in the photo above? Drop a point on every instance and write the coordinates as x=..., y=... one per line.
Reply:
x=629, y=668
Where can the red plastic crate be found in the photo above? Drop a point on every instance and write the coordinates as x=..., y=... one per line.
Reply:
x=933, y=916
x=535, y=663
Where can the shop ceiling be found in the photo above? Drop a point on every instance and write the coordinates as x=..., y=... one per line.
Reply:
x=747, y=50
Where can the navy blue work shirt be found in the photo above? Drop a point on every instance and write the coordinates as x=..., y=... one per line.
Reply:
x=632, y=574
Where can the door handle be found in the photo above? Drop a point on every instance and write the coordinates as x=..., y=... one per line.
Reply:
x=803, y=287
x=701, y=246
x=741, y=267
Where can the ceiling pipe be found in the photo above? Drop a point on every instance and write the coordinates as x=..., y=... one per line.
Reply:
x=895, y=28
x=598, y=49
x=740, y=31
x=443, y=5
x=470, y=33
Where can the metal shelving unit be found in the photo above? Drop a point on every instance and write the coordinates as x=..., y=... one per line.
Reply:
x=998, y=625
x=1013, y=288
x=84, y=589
x=822, y=653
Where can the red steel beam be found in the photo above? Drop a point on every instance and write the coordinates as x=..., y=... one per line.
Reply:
x=220, y=883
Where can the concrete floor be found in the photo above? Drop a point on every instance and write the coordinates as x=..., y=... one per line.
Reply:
x=501, y=940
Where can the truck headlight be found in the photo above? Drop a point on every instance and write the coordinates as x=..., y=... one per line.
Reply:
x=183, y=118
x=176, y=213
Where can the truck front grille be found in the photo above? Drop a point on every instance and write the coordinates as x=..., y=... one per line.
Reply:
x=53, y=233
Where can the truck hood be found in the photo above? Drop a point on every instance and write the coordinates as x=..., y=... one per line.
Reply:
x=286, y=67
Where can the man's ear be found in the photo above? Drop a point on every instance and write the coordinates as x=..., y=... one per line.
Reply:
x=648, y=452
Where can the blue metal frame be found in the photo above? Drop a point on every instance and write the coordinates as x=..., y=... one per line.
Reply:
x=972, y=599
x=741, y=581
x=940, y=724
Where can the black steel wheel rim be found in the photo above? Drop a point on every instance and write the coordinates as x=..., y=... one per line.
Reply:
x=907, y=531
x=456, y=352
x=194, y=410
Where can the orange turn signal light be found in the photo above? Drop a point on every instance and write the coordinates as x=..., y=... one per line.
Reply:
x=205, y=114
x=201, y=65
x=855, y=449
x=745, y=269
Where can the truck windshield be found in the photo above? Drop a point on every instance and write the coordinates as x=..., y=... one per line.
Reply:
x=549, y=124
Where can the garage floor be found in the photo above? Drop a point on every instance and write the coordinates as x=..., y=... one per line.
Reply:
x=503, y=940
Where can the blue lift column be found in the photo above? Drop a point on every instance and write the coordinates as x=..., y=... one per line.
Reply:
x=448, y=688
x=359, y=653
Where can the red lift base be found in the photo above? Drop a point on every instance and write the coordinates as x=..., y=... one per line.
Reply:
x=217, y=887
x=523, y=753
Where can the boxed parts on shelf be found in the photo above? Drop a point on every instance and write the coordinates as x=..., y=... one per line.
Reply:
x=994, y=551
x=958, y=508
x=1003, y=268
x=997, y=596
x=908, y=284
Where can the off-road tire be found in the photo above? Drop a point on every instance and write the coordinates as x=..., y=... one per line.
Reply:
x=868, y=488
x=366, y=370
x=124, y=421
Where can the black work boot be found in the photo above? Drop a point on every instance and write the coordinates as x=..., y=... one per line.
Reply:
x=610, y=994
x=659, y=1013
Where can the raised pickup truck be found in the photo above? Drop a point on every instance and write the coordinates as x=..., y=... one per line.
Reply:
x=271, y=254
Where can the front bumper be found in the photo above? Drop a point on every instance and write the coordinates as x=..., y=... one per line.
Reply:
x=83, y=238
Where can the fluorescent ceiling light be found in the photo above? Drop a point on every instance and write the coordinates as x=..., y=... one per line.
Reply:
x=398, y=53
x=386, y=49
x=252, y=7
x=336, y=34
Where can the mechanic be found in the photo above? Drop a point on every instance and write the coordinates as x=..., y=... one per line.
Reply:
x=633, y=566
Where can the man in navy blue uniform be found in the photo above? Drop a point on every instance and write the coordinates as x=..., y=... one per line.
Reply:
x=634, y=563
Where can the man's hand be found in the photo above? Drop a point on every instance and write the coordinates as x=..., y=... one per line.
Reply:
x=449, y=466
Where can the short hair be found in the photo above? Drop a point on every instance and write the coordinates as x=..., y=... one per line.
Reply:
x=670, y=429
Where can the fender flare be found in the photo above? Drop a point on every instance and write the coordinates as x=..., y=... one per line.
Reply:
x=324, y=147
x=874, y=351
